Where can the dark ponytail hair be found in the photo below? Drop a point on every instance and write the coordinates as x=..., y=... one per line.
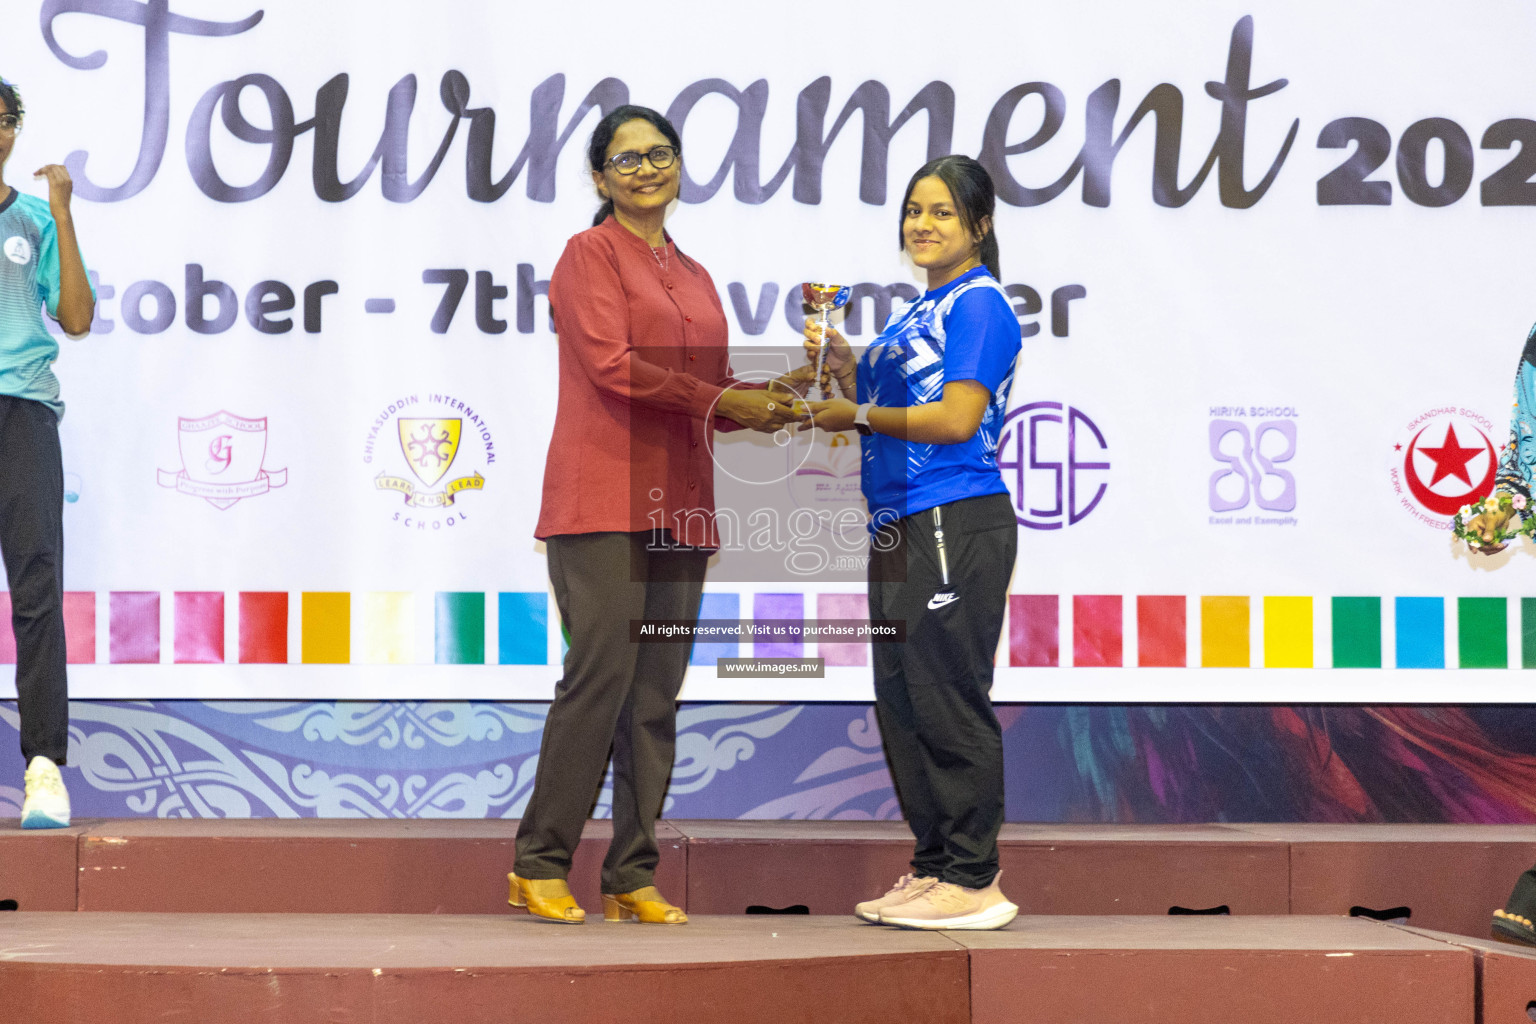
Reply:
x=971, y=188
x=11, y=97
x=602, y=137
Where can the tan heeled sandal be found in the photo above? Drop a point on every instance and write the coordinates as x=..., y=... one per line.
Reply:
x=549, y=898
x=646, y=904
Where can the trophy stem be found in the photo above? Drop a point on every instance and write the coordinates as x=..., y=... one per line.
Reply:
x=821, y=358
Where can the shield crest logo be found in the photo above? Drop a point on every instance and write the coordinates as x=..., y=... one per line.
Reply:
x=222, y=448
x=429, y=445
x=221, y=459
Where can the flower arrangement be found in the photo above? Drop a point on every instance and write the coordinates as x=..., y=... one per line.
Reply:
x=1489, y=525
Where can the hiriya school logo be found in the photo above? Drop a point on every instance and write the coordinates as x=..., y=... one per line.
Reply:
x=1443, y=459
x=1253, y=446
x=18, y=249
x=221, y=459
x=1055, y=463
x=431, y=453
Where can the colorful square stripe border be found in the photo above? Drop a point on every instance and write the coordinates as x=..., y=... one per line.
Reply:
x=139, y=627
x=1275, y=631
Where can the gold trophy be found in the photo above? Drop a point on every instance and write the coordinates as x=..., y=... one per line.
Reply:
x=824, y=298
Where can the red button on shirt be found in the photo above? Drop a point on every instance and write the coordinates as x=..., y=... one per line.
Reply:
x=631, y=410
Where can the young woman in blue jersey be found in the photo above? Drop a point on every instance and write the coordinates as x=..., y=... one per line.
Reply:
x=41, y=268
x=930, y=395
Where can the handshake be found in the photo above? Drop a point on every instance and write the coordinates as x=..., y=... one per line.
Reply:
x=783, y=401
x=769, y=410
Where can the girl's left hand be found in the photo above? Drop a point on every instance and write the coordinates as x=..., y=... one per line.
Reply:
x=834, y=414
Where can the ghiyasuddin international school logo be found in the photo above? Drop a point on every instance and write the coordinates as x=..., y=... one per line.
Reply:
x=1443, y=459
x=221, y=459
x=430, y=454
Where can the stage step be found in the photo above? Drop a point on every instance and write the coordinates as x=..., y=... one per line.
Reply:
x=1449, y=877
x=328, y=866
x=1506, y=977
x=408, y=969
x=826, y=866
x=38, y=868
x=1258, y=970
x=377, y=969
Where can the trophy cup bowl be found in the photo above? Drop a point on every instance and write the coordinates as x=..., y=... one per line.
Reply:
x=824, y=298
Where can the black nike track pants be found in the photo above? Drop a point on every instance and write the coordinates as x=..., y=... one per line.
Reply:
x=942, y=739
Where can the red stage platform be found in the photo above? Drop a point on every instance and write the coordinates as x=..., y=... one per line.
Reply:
x=326, y=866
x=1047, y=869
x=1258, y=970
x=1506, y=978
x=383, y=921
x=1449, y=877
x=411, y=969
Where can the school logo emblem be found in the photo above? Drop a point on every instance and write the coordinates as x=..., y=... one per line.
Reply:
x=432, y=453
x=1253, y=447
x=18, y=249
x=1442, y=460
x=429, y=447
x=1055, y=464
x=221, y=459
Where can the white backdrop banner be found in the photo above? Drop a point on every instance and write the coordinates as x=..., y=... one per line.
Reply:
x=1270, y=263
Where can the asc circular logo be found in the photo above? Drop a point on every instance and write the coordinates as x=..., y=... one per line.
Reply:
x=428, y=452
x=1055, y=462
x=1443, y=459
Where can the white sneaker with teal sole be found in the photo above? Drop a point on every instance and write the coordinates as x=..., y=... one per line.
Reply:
x=47, y=801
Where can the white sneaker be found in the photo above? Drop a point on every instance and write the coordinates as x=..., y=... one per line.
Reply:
x=907, y=887
x=946, y=906
x=47, y=801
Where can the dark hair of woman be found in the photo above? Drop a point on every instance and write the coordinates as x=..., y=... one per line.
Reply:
x=970, y=186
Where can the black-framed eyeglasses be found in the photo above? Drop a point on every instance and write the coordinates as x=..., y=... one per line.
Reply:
x=661, y=157
x=10, y=124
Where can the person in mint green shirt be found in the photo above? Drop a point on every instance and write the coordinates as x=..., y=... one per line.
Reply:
x=40, y=268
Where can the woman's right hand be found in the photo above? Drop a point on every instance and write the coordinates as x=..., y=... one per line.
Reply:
x=757, y=409
x=839, y=354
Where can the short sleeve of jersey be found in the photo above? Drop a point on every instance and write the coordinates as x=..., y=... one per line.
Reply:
x=36, y=210
x=982, y=338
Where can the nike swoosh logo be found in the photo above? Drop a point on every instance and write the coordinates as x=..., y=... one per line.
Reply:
x=940, y=600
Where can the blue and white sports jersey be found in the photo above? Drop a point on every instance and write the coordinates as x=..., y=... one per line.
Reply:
x=965, y=330
x=29, y=280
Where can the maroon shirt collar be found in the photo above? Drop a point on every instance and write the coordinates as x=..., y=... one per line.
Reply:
x=611, y=225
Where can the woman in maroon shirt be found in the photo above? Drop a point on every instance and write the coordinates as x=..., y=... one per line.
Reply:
x=628, y=514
